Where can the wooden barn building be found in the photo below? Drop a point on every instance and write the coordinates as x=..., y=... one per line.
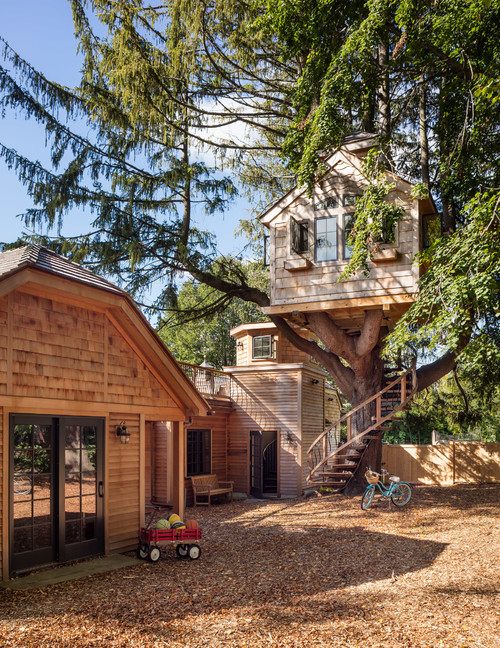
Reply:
x=84, y=380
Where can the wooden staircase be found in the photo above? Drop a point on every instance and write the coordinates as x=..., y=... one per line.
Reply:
x=334, y=456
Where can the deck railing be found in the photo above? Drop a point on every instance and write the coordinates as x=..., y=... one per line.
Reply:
x=381, y=408
x=208, y=381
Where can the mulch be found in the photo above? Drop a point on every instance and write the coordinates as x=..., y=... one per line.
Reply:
x=297, y=573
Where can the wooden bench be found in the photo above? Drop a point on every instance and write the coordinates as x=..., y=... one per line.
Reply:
x=208, y=486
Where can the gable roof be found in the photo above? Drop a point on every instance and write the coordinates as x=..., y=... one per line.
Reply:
x=47, y=260
x=352, y=151
x=35, y=264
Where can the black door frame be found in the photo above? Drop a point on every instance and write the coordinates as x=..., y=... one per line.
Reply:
x=256, y=467
x=59, y=551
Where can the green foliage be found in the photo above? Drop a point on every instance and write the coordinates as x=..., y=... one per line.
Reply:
x=459, y=294
x=376, y=217
x=195, y=339
x=462, y=408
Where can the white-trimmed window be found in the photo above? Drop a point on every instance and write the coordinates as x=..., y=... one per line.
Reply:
x=262, y=346
x=325, y=239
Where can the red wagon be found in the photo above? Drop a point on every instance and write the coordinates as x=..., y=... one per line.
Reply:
x=184, y=540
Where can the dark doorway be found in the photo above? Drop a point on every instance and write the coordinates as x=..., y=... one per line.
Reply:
x=263, y=463
x=256, y=475
x=56, y=489
x=270, y=462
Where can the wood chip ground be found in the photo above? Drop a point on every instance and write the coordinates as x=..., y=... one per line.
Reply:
x=305, y=573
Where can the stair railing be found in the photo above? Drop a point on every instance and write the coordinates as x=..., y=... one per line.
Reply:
x=326, y=445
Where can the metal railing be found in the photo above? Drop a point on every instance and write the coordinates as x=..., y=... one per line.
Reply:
x=208, y=381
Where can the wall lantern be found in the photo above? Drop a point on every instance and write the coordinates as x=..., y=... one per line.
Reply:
x=122, y=433
x=315, y=381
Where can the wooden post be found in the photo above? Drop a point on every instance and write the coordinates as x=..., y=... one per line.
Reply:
x=178, y=469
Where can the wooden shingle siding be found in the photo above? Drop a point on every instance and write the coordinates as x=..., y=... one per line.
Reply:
x=313, y=415
x=56, y=348
x=3, y=344
x=320, y=280
x=123, y=493
x=264, y=400
x=3, y=496
x=128, y=377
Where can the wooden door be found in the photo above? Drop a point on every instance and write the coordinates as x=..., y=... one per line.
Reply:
x=56, y=489
x=256, y=472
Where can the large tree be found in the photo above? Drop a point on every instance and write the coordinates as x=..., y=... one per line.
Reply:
x=159, y=82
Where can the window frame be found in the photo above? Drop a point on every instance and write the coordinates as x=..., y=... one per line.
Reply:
x=299, y=235
x=336, y=230
x=260, y=337
x=198, y=457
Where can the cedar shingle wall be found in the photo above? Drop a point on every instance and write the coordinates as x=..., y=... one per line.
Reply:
x=266, y=400
x=123, y=486
x=58, y=351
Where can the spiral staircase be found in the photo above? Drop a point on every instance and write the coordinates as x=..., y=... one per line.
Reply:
x=335, y=455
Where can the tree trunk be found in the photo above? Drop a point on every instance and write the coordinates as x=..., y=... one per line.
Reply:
x=365, y=387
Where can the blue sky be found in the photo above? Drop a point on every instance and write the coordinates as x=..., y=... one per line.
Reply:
x=41, y=31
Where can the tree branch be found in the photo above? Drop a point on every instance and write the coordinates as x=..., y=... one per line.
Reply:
x=370, y=332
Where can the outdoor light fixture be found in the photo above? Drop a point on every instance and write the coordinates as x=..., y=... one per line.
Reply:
x=315, y=381
x=122, y=433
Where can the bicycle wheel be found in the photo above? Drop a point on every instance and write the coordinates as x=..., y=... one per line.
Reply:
x=401, y=494
x=22, y=485
x=366, y=500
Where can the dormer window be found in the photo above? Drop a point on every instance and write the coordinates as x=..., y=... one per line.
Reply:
x=299, y=236
x=262, y=347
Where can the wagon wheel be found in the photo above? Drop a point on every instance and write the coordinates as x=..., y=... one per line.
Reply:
x=194, y=552
x=154, y=554
x=143, y=551
x=181, y=550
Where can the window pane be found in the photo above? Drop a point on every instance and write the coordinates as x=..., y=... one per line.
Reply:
x=261, y=346
x=348, y=225
x=198, y=452
x=326, y=239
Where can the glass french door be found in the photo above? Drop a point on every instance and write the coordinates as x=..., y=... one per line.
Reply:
x=56, y=492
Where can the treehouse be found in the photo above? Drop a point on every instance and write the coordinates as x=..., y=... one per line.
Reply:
x=309, y=249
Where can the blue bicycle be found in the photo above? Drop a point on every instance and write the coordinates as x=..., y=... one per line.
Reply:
x=398, y=491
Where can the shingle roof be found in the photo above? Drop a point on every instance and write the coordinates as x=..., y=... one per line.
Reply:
x=44, y=259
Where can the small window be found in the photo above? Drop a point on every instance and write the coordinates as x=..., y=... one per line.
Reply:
x=350, y=200
x=349, y=221
x=327, y=203
x=198, y=452
x=326, y=239
x=267, y=250
x=299, y=236
x=262, y=346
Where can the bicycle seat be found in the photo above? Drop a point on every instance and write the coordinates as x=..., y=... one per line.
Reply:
x=394, y=479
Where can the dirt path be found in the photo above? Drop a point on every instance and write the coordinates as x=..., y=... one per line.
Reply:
x=294, y=573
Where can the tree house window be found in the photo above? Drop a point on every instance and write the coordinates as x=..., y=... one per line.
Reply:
x=325, y=240
x=349, y=221
x=299, y=236
x=262, y=346
x=350, y=200
x=198, y=452
x=327, y=203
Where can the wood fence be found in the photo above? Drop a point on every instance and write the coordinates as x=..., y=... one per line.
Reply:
x=444, y=465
